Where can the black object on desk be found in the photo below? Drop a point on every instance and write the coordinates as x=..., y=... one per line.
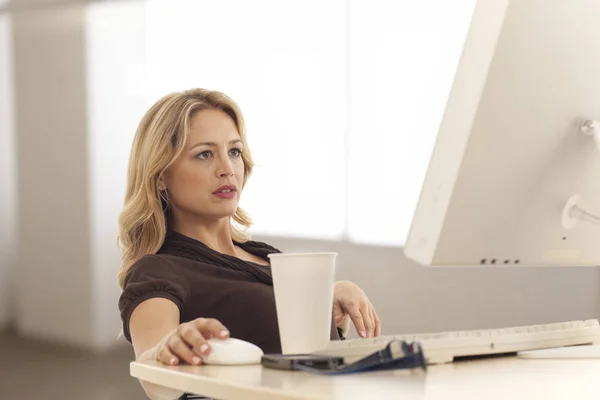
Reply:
x=396, y=355
x=300, y=361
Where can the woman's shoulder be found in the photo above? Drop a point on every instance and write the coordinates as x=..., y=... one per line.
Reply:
x=156, y=259
x=153, y=261
x=155, y=266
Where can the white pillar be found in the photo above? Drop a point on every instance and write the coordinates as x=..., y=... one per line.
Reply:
x=115, y=54
x=77, y=94
x=7, y=175
x=54, y=276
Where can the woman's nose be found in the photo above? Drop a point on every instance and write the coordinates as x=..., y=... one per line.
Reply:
x=226, y=168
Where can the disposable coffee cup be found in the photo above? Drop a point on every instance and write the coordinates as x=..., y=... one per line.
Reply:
x=303, y=284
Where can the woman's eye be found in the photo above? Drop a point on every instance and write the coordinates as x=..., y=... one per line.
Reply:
x=204, y=155
x=235, y=152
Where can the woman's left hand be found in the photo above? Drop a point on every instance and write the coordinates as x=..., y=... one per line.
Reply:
x=349, y=300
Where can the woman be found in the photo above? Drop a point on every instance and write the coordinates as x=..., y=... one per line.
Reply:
x=190, y=271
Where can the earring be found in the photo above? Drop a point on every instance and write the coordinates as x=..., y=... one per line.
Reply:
x=164, y=195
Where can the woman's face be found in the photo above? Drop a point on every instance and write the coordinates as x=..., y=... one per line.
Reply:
x=206, y=181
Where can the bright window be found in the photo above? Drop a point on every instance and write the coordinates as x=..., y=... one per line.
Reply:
x=342, y=99
x=403, y=56
x=284, y=62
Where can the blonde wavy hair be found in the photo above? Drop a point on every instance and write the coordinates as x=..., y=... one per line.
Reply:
x=159, y=141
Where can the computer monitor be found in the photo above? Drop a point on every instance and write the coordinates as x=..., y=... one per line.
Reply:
x=517, y=143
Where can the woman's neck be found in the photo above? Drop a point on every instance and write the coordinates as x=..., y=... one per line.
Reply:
x=216, y=234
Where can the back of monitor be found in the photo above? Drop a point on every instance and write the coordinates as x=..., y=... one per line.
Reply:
x=510, y=151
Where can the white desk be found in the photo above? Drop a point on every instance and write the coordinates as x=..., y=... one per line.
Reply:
x=495, y=378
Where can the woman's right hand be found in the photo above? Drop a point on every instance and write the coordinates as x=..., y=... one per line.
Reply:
x=189, y=341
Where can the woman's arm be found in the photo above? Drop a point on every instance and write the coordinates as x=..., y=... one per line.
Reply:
x=150, y=322
x=155, y=322
x=157, y=335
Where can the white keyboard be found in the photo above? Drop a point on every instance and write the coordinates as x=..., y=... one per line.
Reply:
x=443, y=347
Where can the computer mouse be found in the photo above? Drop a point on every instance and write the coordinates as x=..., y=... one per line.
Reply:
x=232, y=351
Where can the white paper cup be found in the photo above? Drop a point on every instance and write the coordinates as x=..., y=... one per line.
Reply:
x=303, y=284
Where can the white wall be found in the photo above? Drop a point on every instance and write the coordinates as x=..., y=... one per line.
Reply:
x=7, y=174
x=410, y=298
x=79, y=70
